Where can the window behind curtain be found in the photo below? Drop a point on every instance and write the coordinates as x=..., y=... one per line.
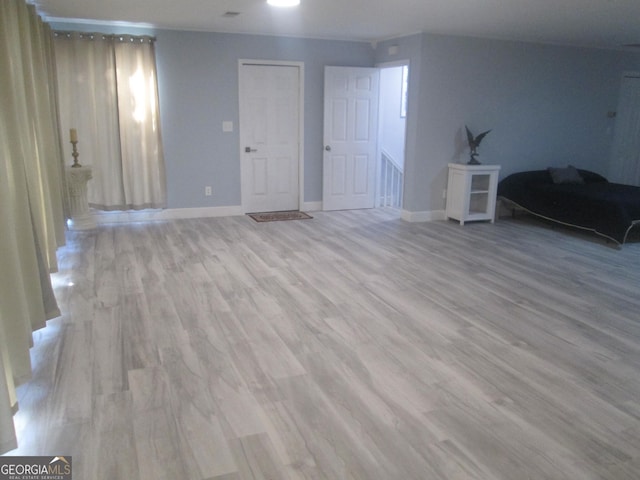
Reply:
x=108, y=91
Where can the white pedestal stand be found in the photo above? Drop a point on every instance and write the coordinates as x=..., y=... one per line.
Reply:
x=77, y=178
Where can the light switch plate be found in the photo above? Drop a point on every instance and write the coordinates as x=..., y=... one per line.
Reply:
x=227, y=126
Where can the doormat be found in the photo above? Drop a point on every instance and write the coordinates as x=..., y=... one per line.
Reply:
x=279, y=216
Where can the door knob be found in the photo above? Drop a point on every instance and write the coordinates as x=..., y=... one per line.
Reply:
x=328, y=148
x=249, y=149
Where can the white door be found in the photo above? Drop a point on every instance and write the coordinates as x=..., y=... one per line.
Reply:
x=350, y=137
x=624, y=166
x=270, y=137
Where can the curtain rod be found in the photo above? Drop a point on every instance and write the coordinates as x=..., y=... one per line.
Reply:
x=91, y=35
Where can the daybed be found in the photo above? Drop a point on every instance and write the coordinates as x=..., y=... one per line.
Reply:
x=577, y=198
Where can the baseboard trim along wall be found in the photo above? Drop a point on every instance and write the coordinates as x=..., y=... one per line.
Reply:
x=312, y=206
x=427, y=216
x=166, y=214
x=230, y=211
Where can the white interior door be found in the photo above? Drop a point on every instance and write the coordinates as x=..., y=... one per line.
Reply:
x=270, y=137
x=350, y=137
x=624, y=166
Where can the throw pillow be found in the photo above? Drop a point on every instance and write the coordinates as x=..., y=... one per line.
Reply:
x=569, y=174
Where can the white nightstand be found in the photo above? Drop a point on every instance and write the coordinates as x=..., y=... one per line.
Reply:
x=471, y=192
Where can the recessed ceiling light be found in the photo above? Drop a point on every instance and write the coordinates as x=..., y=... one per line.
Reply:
x=283, y=3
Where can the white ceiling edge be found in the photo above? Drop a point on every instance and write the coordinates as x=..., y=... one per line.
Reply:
x=373, y=42
x=150, y=26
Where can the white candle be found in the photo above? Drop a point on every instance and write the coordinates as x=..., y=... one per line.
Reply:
x=73, y=133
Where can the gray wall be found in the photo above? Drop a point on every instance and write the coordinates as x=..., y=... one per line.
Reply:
x=546, y=105
x=198, y=88
x=198, y=77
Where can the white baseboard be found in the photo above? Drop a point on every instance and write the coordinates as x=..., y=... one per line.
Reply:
x=167, y=214
x=428, y=216
x=312, y=206
x=235, y=210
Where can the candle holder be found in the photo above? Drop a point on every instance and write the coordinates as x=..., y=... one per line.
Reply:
x=75, y=154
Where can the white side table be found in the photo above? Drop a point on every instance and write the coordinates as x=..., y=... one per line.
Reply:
x=77, y=178
x=471, y=192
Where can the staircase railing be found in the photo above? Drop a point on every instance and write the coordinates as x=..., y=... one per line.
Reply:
x=391, y=182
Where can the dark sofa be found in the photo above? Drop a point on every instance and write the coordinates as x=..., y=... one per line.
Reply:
x=579, y=198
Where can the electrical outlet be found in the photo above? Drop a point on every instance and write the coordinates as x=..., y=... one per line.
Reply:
x=207, y=191
x=444, y=193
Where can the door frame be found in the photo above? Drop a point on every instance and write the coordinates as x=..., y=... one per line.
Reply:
x=276, y=63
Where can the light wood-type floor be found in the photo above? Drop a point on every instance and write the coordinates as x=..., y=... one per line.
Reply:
x=351, y=346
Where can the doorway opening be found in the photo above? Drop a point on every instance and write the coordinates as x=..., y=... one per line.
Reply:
x=394, y=81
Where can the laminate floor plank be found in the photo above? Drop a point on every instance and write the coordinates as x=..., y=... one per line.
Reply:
x=350, y=346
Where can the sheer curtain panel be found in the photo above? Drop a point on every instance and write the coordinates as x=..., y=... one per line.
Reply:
x=31, y=197
x=108, y=92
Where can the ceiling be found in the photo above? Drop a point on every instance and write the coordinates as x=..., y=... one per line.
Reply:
x=591, y=23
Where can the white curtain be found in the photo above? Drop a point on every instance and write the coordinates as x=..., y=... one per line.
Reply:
x=625, y=153
x=31, y=196
x=108, y=92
